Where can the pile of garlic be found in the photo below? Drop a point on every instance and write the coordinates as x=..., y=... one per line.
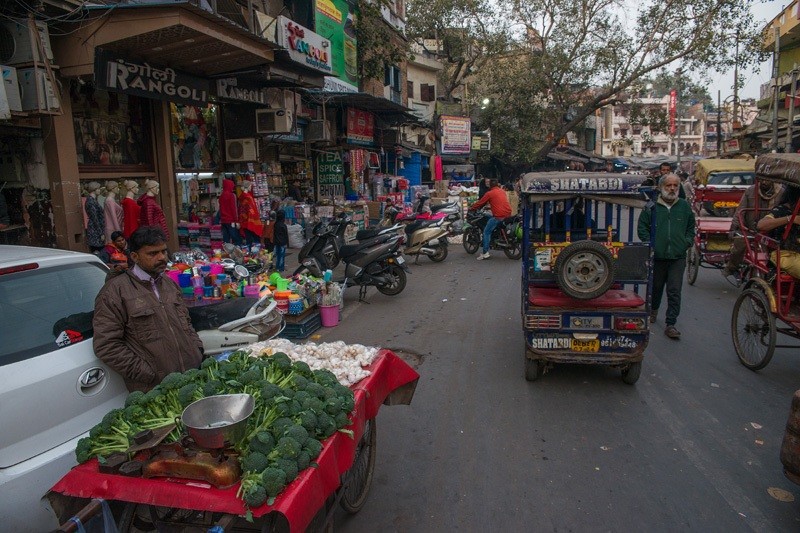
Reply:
x=346, y=361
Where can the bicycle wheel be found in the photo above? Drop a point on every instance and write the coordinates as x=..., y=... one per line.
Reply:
x=361, y=473
x=692, y=264
x=753, y=329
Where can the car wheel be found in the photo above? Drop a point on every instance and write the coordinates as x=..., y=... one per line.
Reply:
x=584, y=270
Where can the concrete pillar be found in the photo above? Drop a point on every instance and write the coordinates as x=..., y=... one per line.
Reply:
x=62, y=168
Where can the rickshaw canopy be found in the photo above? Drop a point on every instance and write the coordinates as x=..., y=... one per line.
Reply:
x=780, y=168
x=607, y=187
x=705, y=167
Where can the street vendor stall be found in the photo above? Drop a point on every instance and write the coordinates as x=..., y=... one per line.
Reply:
x=341, y=473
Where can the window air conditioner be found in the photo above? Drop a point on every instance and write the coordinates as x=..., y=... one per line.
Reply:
x=38, y=93
x=319, y=130
x=11, y=84
x=241, y=150
x=18, y=43
x=278, y=120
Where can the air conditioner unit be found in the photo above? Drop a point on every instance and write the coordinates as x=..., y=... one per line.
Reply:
x=38, y=93
x=241, y=150
x=319, y=130
x=11, y=85
x=18, y=43
x=278, y=120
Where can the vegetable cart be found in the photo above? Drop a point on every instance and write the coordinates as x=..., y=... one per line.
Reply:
x=343, y=474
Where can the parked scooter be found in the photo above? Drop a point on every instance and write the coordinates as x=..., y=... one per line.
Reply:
x=327, y=238
x=235, y=323
x=426, y=234
x=507, y=236
x=376, y=262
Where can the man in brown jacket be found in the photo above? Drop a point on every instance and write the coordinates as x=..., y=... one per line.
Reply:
x=142, y=328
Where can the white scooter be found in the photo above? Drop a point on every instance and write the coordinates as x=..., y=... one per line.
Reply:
x=236, y=323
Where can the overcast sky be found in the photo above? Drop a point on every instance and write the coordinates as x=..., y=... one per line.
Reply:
x=753, y=78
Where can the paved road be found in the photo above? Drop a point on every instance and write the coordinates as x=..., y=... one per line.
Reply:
x=693, y=446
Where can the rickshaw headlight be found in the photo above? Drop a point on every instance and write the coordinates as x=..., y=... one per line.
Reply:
x=628, y=323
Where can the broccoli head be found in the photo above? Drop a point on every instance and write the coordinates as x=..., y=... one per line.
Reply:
x=134, y=398
x=313, y=447
x=263, y=442
x=325, y=377
x=254, y=462
x=333, y=406
x=298, y=433
x=280, y=426
x=299, y=382
x=83, y=451
x=287, y=448
x=173, y=381
x=213, y=387
x=341, y=419
x=270, y=391
x=301, y=367
x=282, y=362
x=315, y=389
x=209, y=362
x=308, y=420
x=289, y=467
x=250, y=376
x=314, y=404
x=189, y=393
x=255, y=495
x=326, y=426
x=301, y=396
x=273, y=480
x=303, y=460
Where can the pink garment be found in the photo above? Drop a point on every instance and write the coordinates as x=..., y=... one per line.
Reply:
x=438, y=171
x=113, y=214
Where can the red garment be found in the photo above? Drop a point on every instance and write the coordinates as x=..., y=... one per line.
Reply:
x=130, y=216
x=498, y=202
x=228, y=212
x=151, y=214
x=249, y=217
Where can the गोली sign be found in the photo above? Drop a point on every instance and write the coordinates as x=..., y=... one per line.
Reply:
x=142, y=79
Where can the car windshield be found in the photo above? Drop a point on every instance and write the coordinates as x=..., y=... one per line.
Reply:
x=45, y=309
x=732, y=178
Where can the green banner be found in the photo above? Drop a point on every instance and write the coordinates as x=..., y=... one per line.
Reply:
x=330, y=174
x=334, y=21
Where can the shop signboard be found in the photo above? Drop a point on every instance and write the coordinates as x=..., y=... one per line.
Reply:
x=330, y=175
x=360, y=127
x=231, y=89
x=334, y=20
x=455, y=134
x=297, y=135
x=335, y=85
x=114, y=73
x=305, y=46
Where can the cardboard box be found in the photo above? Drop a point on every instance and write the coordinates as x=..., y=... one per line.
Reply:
x=374, y=209
x=513, y=199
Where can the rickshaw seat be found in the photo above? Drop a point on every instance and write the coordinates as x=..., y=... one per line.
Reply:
x=553, y=297
x=714, y=224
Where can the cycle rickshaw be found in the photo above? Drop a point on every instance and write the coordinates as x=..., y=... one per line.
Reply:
x=586, y=279
x=720, y=186
x=770, y=301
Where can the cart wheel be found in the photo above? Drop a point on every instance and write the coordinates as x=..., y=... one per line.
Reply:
x=630, y=375
x=753, y=329
x=533, y=369
x=362, y=471
x=584, y=270
x=472, y=240
x=692, y=264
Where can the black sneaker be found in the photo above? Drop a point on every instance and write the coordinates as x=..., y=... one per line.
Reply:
x=672, y=332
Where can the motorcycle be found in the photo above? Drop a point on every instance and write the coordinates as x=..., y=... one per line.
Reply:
x=426, y=234
x=236, y=323
x=507, y=236
x=327, y=238
x=377, y=262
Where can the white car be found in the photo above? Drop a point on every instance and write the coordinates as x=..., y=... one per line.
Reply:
x=53, y=389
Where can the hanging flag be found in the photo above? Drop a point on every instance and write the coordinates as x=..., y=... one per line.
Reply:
x=673, y=109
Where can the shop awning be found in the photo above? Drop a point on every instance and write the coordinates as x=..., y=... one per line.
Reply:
x=560, y=156
x=178, y=35
x=387, y=110
x=591, y=156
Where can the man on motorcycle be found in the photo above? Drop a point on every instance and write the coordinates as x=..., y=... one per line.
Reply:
x=497, y=199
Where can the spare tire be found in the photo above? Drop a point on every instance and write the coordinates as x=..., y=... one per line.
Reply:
x=584, y=270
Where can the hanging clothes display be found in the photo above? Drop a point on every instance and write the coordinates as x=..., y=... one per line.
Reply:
x=151, y=213
x=96, y=227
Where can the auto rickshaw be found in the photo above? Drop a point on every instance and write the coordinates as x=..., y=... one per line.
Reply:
x=586, y=278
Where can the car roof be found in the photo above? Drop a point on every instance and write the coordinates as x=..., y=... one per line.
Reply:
x=16, y=255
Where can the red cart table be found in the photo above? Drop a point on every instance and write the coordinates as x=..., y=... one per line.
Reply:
x=391, y=381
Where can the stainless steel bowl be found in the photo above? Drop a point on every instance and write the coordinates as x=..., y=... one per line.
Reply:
x=218, y=421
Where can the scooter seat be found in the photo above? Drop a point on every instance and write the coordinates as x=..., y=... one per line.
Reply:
x=349, y=249
x=367, y=233
x=212, y=316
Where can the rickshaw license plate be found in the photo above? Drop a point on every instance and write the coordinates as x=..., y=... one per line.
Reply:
x=578, y=345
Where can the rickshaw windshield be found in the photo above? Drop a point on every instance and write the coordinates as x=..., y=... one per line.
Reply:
x=706, y=167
